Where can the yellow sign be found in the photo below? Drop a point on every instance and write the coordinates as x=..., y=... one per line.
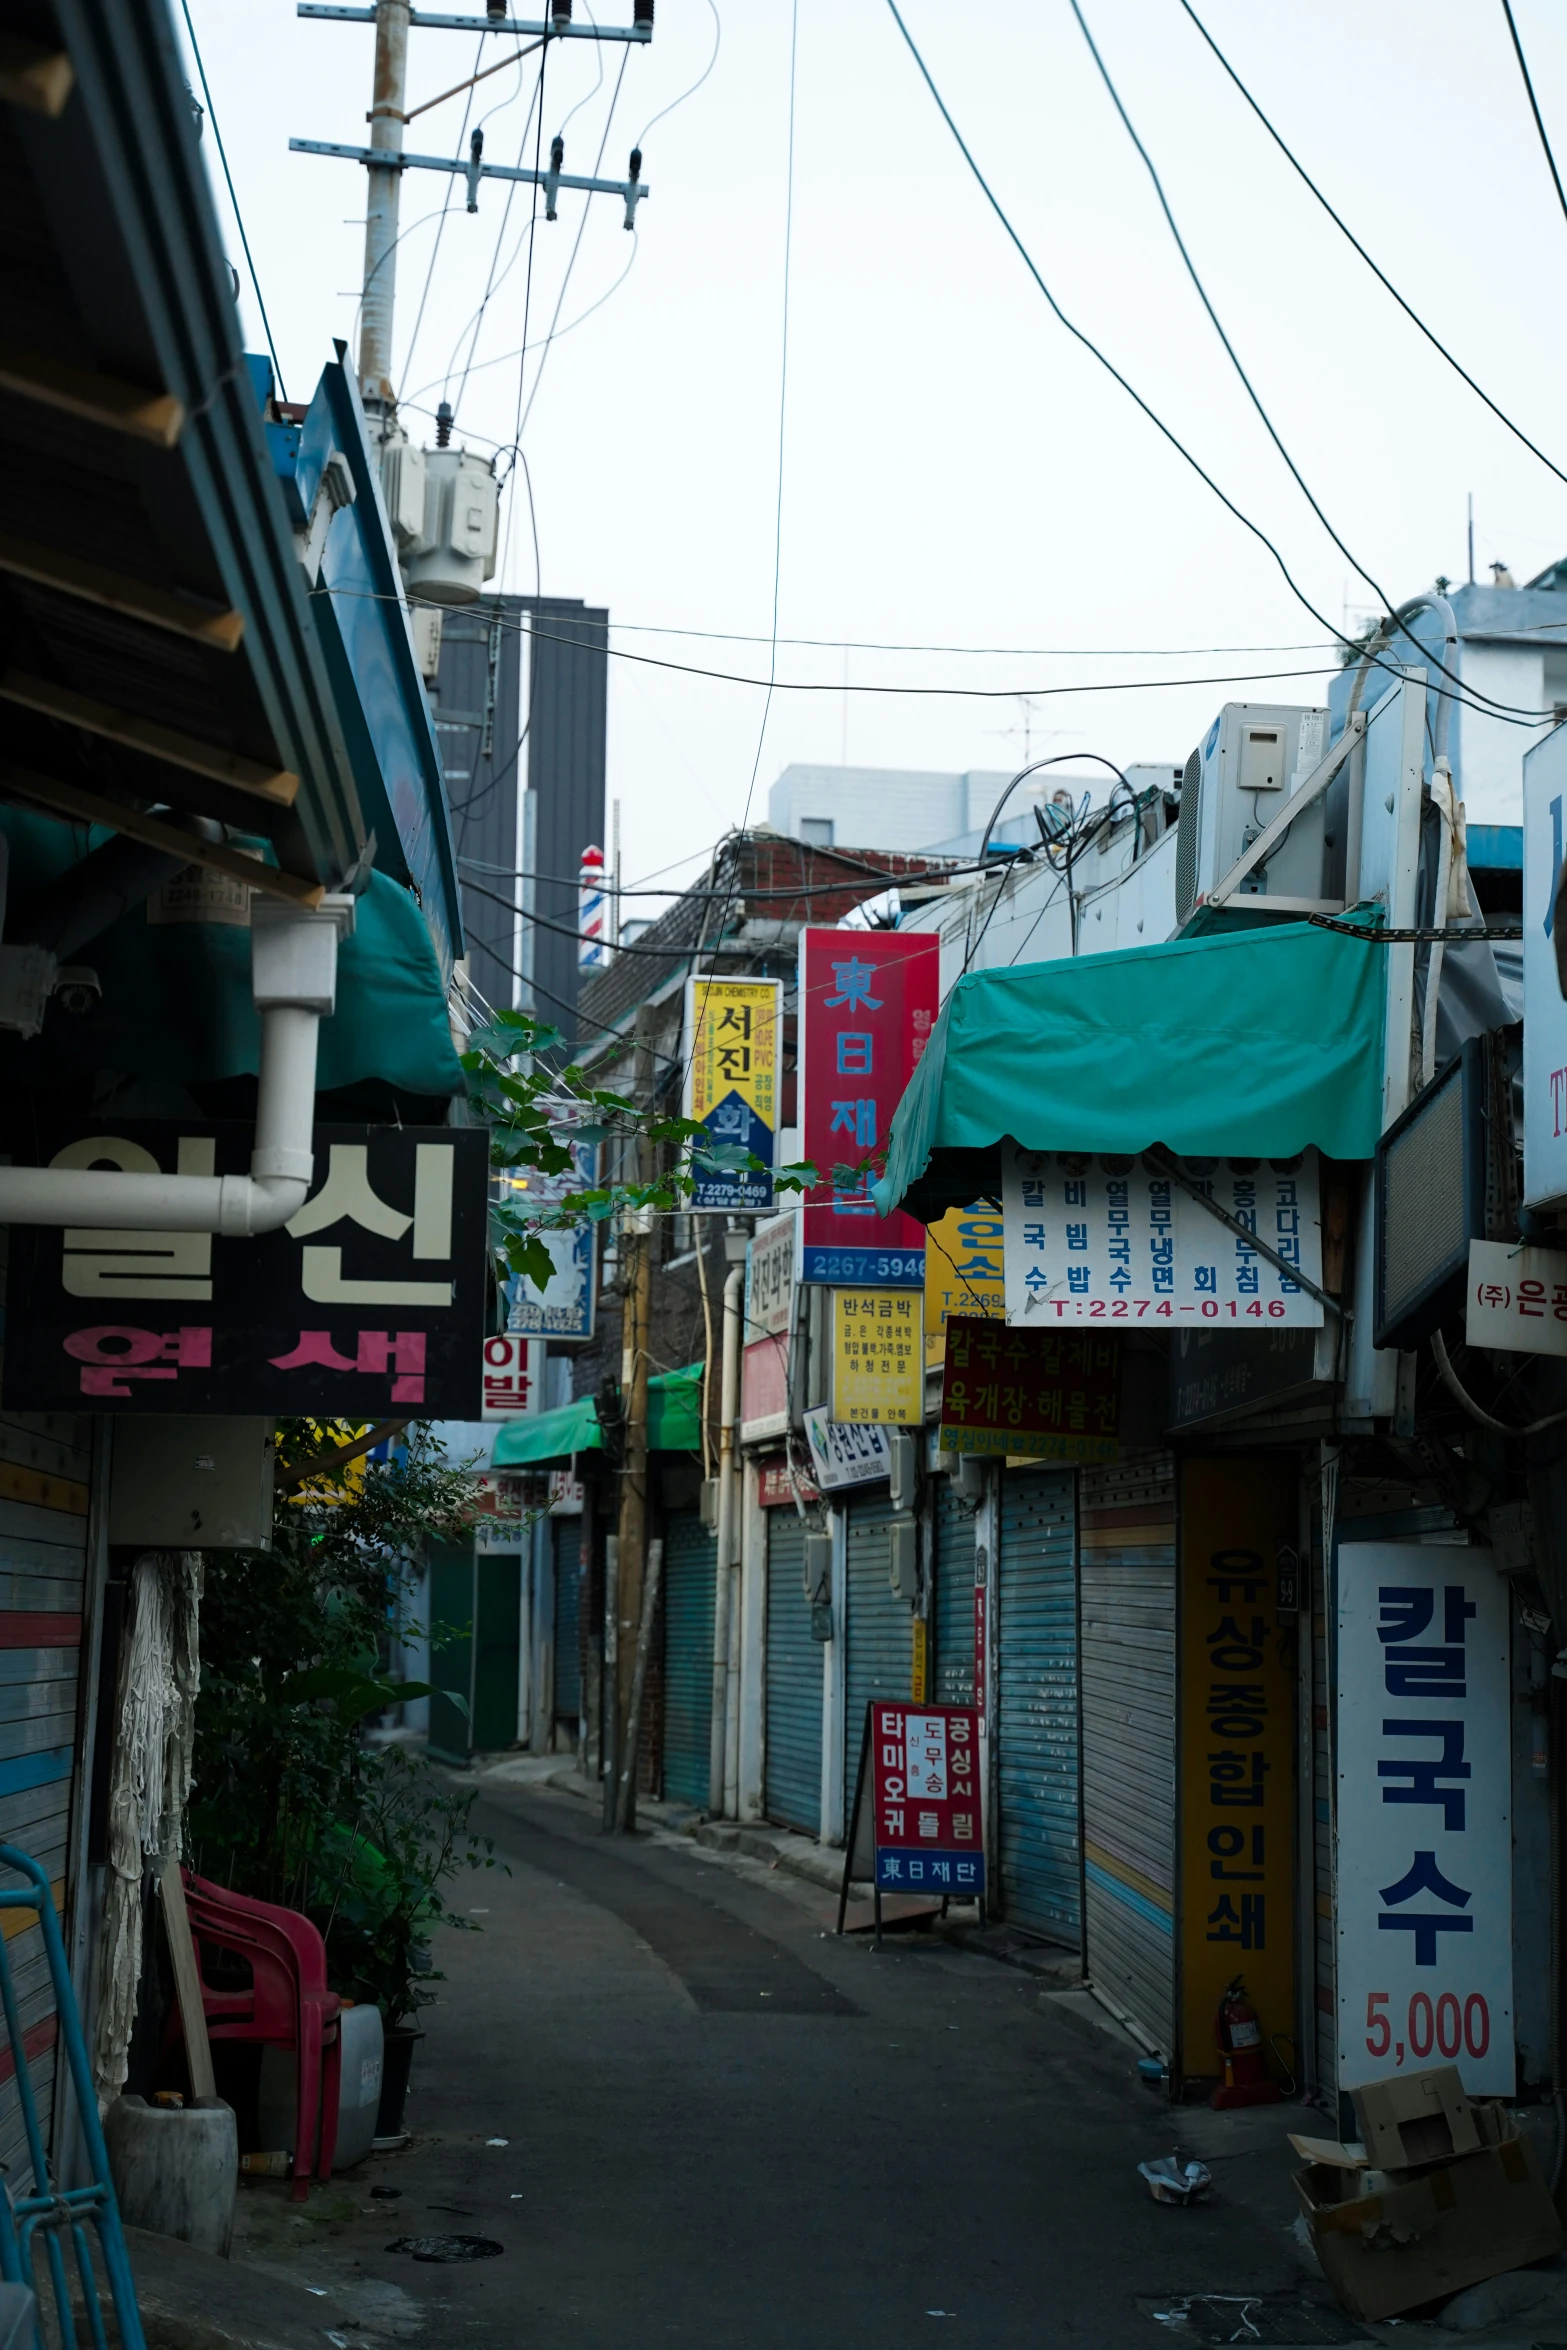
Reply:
x=918, y=1690
x=1237, y=1751
x=732, y=1085
x=878, y=1371
x=962, y=1272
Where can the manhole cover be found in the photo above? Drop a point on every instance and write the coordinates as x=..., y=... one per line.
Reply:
x=453, y=2249
x=1275, y=2319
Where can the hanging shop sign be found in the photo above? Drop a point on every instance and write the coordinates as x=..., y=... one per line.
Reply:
x=868, y=1002
x=502, y=1517
x=1237, y=1727
x=764, y=1389
x=1049, y=1395
x=1545, y=1012
x=769, y=1279
x=370, y=1302
x=878, y=1357
x=847, y=1453
x=1095, y=1240
x=567, y=1494
x=964, y=1272
x=513, y=1377
x=731, y=1087
x=1424, y=1897
x=918, y=1794
x=564, y=1307
x=1517, y=1298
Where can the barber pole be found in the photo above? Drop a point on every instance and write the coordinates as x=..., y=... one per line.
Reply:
x=592, y=917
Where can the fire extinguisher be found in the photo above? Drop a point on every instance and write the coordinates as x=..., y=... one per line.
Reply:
x=1237, y=2032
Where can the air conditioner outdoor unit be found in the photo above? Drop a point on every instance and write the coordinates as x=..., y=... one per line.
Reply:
x=1251, y=760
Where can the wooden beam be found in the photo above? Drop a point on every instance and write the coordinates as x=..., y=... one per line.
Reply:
x=99, y=399
x=50, y=567
x=35, y=77
x=187, y=1981
x=277, y=785
x=88, y=807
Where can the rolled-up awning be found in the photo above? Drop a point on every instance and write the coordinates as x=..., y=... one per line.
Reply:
x=674, y=1424
x=1248, y=1044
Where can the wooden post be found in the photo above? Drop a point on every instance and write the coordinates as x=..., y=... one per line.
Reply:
x=634, y=1366
x=187, y=1982
x=626, y=1799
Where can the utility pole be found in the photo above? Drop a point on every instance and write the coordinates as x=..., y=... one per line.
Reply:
x=636, y=1317
x=388, y=109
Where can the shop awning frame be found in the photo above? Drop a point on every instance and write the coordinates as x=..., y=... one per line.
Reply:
x=554, y=1438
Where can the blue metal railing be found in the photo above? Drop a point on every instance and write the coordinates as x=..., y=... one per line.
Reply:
x=47, y=2211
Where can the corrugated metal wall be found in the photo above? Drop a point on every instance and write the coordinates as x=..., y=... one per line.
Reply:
x=1126, y=1542
x=792, y=1717
x=1036, y=1701
x=45, y=1469
x=880, y=1630
x=953, y=1614
x=690, y=1591
x=566, y=1539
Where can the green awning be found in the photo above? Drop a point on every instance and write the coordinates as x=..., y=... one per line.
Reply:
x=674, y=1416
x=1249, y=1044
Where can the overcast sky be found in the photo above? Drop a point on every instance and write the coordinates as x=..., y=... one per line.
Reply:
x=957, y=472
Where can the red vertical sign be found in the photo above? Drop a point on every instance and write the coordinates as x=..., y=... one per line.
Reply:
x=868, y=1002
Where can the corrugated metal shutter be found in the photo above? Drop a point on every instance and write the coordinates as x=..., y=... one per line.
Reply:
x=566, y=1536
x=1126, y=1542
x=45, y=1468
x=880, y=1631
x=953, y=1683
x=1036, y=1704
x=1324, y=1991
x=690, y=1591
x=792, y=1769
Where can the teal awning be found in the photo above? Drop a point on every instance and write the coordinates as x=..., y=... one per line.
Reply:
x=674, y=1424
x=1248, y=1044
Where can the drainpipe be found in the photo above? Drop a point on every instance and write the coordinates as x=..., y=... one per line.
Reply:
x=718, y=1748
x=293, y=978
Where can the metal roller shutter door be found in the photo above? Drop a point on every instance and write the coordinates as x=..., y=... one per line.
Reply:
x=43, y=1582
x=879, y=1633
x=792, y=1766
x=953, y=1683
x=566, y=1538
x=1126, y=1541
x=690, y=1592
x=1036, y=1702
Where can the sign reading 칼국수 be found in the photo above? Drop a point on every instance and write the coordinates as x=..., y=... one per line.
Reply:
x=369, y=1303
x=925, y=1782
x=868, y=1001
x=1424, y=1907
x=731, y=1051
x=1121, y=1241
x=1052, y=1395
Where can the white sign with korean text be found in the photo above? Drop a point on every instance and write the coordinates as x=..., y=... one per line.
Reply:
x=845, y=1452
x=513, y=1377
x=1545, y=1013
x=769, y=1279
x=925, y=1745
x=1091, y=1240
x=1424, y=1906
x=1517, y=1298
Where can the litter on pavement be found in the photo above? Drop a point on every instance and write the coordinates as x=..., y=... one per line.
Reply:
x=1172, y=2181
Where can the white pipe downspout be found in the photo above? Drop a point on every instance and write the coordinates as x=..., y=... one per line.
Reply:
x=293, y=968
x=718, y=1747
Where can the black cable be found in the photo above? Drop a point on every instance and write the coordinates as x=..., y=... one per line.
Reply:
x=1381, y=275
x=1534, y=107
x=801, y=889
x=239, y=218
x=1166, y=431
x=1250, y=388
x=669, y=954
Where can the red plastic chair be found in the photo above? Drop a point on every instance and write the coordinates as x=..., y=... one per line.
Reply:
x=286, y=2004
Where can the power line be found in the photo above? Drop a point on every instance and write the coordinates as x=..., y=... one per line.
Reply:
x=1534, y=109
x=239, y=218
x=718, y=34
x=1166, y=431
x=1234, y=358
x=1381, y=275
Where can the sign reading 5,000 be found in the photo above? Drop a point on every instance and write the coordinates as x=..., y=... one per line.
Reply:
x=369, y=1302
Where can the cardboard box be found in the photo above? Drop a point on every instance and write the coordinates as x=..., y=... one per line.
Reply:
x=1415, y=2118
x=1426, y=2233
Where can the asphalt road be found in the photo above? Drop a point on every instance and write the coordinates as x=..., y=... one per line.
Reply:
x=725, y=2129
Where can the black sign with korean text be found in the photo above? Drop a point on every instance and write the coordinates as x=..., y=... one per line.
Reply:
x=368, y=1304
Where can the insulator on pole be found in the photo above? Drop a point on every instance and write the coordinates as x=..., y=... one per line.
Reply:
x=560, y=15
x=443, y=425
